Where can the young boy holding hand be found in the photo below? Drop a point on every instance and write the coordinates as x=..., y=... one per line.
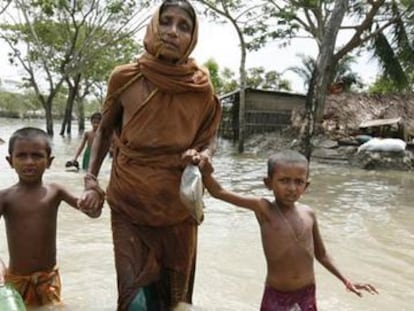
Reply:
x=30, y=210
x=290, y=233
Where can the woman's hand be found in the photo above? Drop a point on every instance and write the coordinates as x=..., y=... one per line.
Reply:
x=91, y=203
x=190, y=156
x=93, y=198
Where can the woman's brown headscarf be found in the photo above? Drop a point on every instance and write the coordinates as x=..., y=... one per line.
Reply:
x=183, y=76
x=152, y=41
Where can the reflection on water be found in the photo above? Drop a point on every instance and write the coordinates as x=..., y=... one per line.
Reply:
x=366, y=219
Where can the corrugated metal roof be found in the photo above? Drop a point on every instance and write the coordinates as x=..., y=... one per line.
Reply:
x=379, y=122
x=253, y=90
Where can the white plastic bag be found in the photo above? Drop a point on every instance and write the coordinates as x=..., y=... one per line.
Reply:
x=191, y=192
x=385, y=145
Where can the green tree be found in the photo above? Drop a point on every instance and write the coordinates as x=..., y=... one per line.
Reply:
x=343, y=71
x=362, y=21
x=225, y=81
x=244, y=17
x=65, y=41
x=322, y=74
x=258, y=77
x=383, y=85
x=18, y=104
x=230, y=83
x=305, y=70
x=213, y=69
x=322, y=21
x=394, y=48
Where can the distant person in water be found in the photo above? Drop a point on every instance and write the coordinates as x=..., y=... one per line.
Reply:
x=30, y=210
x=290, y=234
x=87, y=140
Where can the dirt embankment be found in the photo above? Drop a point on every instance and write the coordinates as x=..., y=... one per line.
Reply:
x=343, y=115
x=345, y=112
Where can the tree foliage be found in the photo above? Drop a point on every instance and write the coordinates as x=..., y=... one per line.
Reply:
x=225, y=81
x=343, y=71
x=394, y=48
x=282, y=20
x=26, y=104
x=362, y=22
x=258, y=77
x=213, y=69
x=245, y=17
x=71, y=42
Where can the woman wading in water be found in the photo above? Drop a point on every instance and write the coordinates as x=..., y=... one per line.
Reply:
x=159, y=108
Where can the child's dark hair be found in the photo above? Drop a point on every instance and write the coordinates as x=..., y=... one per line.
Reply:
x=284, y=157
x=96, y=116
x=183, y=4
x=30, y=133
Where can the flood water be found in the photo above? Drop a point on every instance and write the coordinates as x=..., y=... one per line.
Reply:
x=366, y=219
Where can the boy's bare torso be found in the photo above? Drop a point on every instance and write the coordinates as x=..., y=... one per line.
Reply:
x=90, y=136
x=30, y=215
x=288, y=246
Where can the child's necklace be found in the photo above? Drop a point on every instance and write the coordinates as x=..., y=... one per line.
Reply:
x=289, y=225
x=297, y=237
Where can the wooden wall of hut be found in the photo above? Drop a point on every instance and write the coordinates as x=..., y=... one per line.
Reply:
x=266, y=111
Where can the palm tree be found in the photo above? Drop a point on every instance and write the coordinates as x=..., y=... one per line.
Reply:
x=305, y=71
x=395, y=50
x=343, y=71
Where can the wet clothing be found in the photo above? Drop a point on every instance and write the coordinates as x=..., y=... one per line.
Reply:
x=300, y=300
x=39, y=288
x=154, y=234
x=160, y=260
x=86, y=157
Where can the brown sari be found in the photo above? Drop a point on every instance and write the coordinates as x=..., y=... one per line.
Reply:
x=154, y=235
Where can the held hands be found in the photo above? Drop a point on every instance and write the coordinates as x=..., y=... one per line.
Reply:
x=357, y=287
x=91, y=203
x=202, y=159
x=190, y=156
x=92, y=199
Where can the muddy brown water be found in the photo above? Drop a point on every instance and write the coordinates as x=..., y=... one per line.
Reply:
x=366, y=219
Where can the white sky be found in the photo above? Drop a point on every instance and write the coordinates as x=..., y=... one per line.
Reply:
x=219, y=41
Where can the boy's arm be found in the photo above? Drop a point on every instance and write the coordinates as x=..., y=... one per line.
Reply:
x=217, y=191
x=73, y=201
x=326, y=260
x=81, y=146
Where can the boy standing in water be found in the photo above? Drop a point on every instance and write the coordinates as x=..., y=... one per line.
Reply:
x=30, y=211
x=290, y=234
x=87, y=141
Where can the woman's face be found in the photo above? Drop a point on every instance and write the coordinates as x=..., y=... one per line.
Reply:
x=176, y=29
